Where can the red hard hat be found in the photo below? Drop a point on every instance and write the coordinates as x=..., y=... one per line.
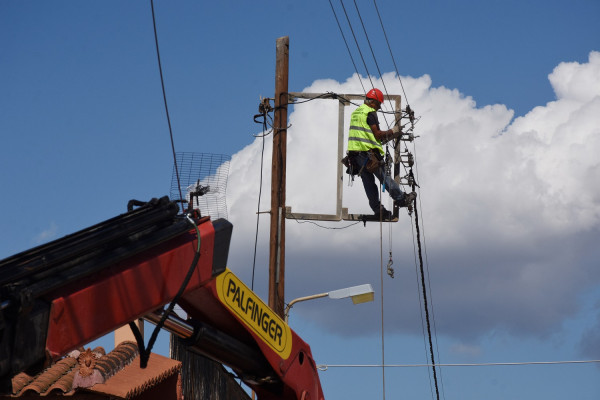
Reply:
x=375, y=94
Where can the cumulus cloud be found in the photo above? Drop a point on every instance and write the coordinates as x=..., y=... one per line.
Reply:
x=510, y=210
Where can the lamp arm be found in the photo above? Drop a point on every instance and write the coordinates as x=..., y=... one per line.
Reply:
x=299, y=299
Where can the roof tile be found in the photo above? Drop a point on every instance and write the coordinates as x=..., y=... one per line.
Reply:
x=115, y=374
x=20, y=381
x=48, y=377
x=133, y=380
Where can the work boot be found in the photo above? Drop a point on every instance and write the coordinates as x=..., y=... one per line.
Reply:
x=383, y=214
x=407, y=200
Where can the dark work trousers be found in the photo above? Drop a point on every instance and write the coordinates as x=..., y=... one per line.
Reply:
x=368, y=180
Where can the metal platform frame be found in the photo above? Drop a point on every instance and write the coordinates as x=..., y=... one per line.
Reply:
x=341, y=211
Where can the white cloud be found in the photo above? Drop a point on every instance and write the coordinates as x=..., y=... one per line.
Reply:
x=511, y=209
x=577, y=82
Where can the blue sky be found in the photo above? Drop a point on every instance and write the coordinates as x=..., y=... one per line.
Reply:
x=512, y=224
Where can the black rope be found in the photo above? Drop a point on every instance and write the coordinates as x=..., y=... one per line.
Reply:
x=162, y=82
x=326, y=95
x=264, y=114
x=145, y=351
x=424, y=289
x=325, y=227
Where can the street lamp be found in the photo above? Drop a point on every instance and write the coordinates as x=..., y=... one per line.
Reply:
x=359, y=294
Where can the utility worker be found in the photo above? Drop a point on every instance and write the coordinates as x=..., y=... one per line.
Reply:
x=365, y=144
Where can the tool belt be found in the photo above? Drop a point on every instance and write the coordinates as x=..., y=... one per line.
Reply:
x=375, y=161
x=353, y=167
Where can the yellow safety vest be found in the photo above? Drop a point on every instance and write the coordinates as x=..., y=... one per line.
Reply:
x=360, y=137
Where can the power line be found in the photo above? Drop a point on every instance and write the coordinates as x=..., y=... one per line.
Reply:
x=373, y=54
x=162, y=82
x=429, y=282
x=390, y=49
x=424, y=285
x=424, y=282
x=325, y=367
x=425, y=304
x=357, y=46
x=347, y=47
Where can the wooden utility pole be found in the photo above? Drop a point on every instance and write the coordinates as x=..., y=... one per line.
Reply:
x=277, y=238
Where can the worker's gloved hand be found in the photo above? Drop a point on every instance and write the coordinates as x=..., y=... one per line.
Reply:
x=396, y=132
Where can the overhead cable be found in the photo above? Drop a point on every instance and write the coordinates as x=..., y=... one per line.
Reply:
x=424, y=288
x=390, y=49
x=325, y=367
x=347, y=47
x=162, y=82
x=357, y=46
x=374, y=58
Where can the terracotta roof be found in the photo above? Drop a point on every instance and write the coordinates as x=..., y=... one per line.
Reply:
x=127, y=383
x=58, y=377
x=116, y=374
